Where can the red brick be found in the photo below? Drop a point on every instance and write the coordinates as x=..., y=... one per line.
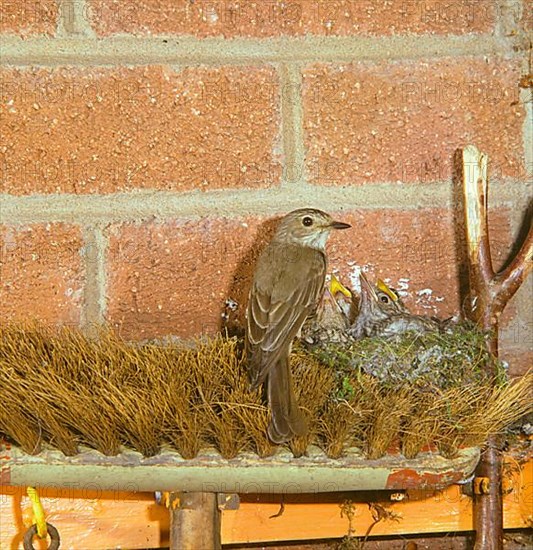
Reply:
x=415, y=251
x=519, y=362
x=28, y=17
x=173, y=278
x=403, y=121
x=41, y=274
x=526, y=20
x=98, y=130
x=516, y=330
x=267, y=18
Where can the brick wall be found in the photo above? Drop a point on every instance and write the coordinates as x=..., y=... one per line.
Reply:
x=146, y=146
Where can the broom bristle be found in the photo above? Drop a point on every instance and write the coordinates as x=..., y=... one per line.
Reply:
x=64, y=389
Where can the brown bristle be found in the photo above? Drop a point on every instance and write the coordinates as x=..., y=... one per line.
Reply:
x=64, y=389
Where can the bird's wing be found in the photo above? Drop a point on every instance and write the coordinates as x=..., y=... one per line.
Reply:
x=278, y=307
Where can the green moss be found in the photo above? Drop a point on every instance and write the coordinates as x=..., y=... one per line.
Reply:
x=449, y=359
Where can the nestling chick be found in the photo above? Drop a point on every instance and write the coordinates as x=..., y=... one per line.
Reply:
x=382, y=313
x=332, y=318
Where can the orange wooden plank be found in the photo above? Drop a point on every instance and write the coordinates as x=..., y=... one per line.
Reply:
x=421, y=512
x=88, y=519
x=93, y=520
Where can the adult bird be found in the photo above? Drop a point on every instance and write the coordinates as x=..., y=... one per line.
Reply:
x=287, y=286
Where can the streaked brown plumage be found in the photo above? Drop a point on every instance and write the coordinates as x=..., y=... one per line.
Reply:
x=381, y=313
x=287, y=285
x=332, y=319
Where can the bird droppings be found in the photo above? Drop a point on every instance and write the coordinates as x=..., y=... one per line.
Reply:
x=403, y=287
x=426, y=299
x=424, y=292
x=354, y=275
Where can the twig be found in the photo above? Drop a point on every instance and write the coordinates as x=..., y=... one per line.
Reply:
x=490, y=293
x=379, y=513
x=281, y=510
x=506, y=283
x=348, y=510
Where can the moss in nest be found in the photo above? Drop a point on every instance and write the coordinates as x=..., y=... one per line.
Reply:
x=63, y=389
x=442, y=359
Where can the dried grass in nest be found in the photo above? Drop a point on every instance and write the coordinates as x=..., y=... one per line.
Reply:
x=345, y=418
x=336, y=427
x=63, y=389
x=493, y=409
x=448, y=359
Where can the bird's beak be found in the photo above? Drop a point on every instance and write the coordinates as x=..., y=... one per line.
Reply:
x=336, y=286
x=384, y=288
x=367, y=290
x=339, y=225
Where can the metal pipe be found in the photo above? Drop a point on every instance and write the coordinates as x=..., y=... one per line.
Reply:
x=209, y=472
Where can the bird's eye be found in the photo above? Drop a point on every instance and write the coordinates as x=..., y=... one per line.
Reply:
x=384, y=299
x=307, y=221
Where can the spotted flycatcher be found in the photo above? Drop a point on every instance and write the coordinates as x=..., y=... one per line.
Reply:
x=287, y=286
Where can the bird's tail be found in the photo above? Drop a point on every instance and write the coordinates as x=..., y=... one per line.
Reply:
x=287, y=419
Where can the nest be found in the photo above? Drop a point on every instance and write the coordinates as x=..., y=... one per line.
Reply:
x=446, y=359
x=65, y=390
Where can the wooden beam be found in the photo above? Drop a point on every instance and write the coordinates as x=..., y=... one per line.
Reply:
x=95, y=520
x=194, y=521
x=422, y=512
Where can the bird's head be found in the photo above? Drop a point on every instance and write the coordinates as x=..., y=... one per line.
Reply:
x=381, y=300
x=345, y=299
x=388, y=297
x=333, y=310
x=377, y=303
x=308, y=227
